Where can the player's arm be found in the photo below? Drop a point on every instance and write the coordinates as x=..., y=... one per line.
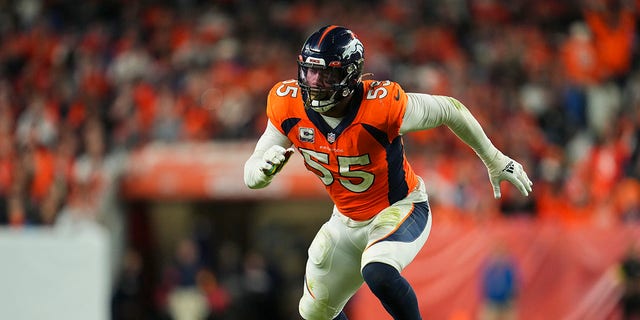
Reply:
x=271, y=153
x=426, y=111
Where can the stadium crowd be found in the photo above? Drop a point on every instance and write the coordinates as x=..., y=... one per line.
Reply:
x=554, y=83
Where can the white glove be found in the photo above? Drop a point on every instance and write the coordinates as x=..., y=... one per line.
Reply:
x=502, y=168
x=274, y=159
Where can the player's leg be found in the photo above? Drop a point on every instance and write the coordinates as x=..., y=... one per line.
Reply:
x=332, y=273
x=393, y=291
x=396, y=236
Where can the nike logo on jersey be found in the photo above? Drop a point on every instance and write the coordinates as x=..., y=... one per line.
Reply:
x=397, y=97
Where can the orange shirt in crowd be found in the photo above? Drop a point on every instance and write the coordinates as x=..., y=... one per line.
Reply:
x=6, y=168
x=613, y=38
x=43, y=173
x=554, y=203
x=579, y=57
x=144, y=97
x=626, y=197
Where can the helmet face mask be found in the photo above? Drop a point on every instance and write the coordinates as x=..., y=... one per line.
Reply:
x=322, y=87
x=329, y=67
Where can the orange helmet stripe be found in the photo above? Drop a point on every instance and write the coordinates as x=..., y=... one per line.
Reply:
x=329, y=28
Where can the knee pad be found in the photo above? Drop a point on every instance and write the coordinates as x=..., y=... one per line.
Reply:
x=312, y=309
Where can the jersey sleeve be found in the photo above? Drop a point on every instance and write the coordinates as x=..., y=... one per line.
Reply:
x=429, y=111
x=280, y=97
x=397, y=108
x=386, y=103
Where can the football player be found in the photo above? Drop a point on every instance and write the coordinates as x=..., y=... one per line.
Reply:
x=349, y=133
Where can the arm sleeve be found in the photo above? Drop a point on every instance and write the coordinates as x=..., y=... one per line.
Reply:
x=254, y=178
x=426, y=111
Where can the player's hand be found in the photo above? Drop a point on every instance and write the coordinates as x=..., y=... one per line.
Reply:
x=274, y=159
x=505, y=168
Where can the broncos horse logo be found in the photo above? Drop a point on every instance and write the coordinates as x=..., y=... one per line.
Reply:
x=353, y=47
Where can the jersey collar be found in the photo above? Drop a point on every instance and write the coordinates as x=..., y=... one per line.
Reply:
x=332, y=134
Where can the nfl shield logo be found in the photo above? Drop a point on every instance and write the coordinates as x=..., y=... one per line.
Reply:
x=331, y=137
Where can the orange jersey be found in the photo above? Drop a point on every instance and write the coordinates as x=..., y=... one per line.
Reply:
x=361, y=161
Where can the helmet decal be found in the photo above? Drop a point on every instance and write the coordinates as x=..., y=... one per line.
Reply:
x=354, y=46
x=314, y=60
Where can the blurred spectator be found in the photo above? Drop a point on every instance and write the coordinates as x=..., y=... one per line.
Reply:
x=632, y=166
x=626, y=200
x=179, y=294
x=499, y=285
x=229, y=272
x=167, y=122
x=198, y=122
x=259, y=289
x=603, y=104
x=613, y=25
x=126, y=129
x=128, y=299
x=630, y=272
x=32, y=179
x=579, y=56
x=580, y=62
x=37, y=125
x=94, y=177
x=7, y=156
x=218, y=298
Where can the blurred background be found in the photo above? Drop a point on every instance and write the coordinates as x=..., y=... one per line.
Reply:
x=124, y=127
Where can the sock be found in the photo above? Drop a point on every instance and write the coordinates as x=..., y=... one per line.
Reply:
x=393, y=291
x=341, y=316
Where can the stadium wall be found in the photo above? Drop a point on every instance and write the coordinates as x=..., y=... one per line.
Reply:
x=49, y=273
